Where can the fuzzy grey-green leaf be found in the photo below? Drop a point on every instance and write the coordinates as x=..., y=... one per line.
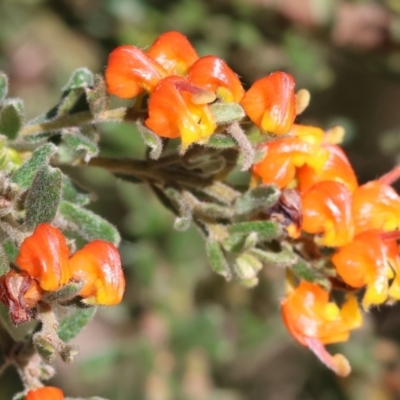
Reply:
x=88, y=224
x=72, y=194
x=81, y=78
x=44, y=196
x=80, y=144
x=225, y=113
x=3, y=86
x=68, y=101
x=220, y=141
x=74, y=322
x=4, y=261
x=11, y=118
x=97, y=97
x=266, y=230
x=217, y=259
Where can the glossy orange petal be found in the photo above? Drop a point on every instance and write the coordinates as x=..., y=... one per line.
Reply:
x=376, y=206
x=337, y=168
x=44, y=256
x=271, y=103
x=173, y=51
x=98, y=266
x=214, y=74
x=326, y=208
x=173, y=114
x=130, y=71
x=45, y=393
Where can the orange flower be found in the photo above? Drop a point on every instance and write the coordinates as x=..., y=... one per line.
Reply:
x=376, y=206
x=173, y=114
x=20, y=293
x=284, y=156
x=214, y=74
x=44, y=256
x=173, y=52
x=98, y=266
x=45, y=393
x=326, y=208
x=336, y=168
x=130, y=71
x=314, y=321
x=271, y=103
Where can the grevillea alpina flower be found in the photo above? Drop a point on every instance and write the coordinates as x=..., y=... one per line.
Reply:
x=369, y=260
x=130, y=71
x=284, y=156
x=20, y=293
x=314, y=321
x=376, y=206
x=44, y=256
x=214, y=74
x=173, y=114
x=336, y=168
x=173, y=52
x=98, y=266
x=271, y=103
x=326, y=209
x=45, y=393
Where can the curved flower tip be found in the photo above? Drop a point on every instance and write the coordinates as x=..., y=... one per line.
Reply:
x=337, y=168
x=271, y=103
x=376, y=206
x=98, y=266
x=174, y=52
x=44, y=256
x=173, y=114
x=326, y=209
x=130, y=71
x=45, y=393
x=214, y=74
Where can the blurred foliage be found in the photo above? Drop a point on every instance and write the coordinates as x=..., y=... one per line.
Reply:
x=183, y=332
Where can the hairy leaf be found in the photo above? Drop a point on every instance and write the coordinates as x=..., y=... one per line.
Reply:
x=266, y=230
x=217, y=259
x=81, y=78
x=75, y=321
x=3, y=86
x=225, y=113
x=72, y=194
x=97, y=97
x=11, y=118
x=80, y=144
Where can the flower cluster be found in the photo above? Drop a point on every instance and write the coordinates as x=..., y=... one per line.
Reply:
x=181, y=86
x=45, y=265
x=358, y=223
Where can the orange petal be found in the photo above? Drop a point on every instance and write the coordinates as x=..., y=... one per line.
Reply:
x=327, y=211
x=45, y=393
x=271, y=103
x=98, y=266
x=174, y=52
x=376, y=206
x=214, y=74
x=337, y=168
x=44, y=255
x=130, y=71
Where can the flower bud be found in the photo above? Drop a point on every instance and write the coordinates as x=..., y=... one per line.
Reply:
x=98, y=266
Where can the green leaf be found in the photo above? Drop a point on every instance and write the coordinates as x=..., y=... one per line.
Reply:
x=183, y=221
x=72, y=194
x=89, y=225
x=11, y=118
x=225, y=113
x=81, y=78
x=305, y=272
x=80, y=144
x=217, y=259
x=97, y=97
x=40, y=157
x=10, y=250
x=151, y=139
x=266, y=230
x=3, y=86
x=71, y=325
x=44, y=196
x=246, y=268
x=261, y=198
x=4, y=261
x=69, y=100
x=220, y=141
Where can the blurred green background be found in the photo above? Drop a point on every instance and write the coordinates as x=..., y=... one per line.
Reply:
x=182, y=332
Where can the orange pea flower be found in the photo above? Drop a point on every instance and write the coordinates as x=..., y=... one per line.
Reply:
x=173, y=52
x=44, y=256
x=327, y=211
x=271, y=103
x=130, y=71
x=336, y=168
x=369, y=260
x=172, y=113
x=45, y=393
x=20, y=293
x=98, y=266
x=315, y=321
x=376, y=206
x=284, y=156
x=214, y=74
